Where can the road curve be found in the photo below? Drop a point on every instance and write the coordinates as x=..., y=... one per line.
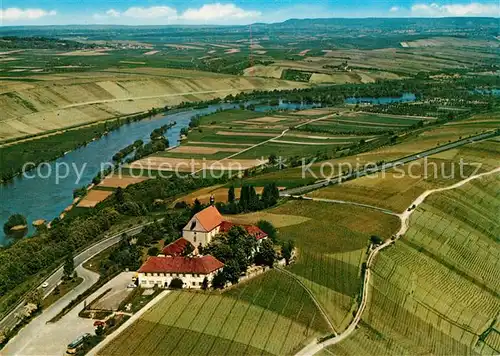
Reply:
x=11, y=320
x=388, y=165
x=19, y=344
x=315, y=347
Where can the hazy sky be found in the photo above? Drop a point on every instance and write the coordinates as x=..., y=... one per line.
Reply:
x=159, y=12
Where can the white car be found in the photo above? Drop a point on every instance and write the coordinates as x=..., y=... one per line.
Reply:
x=45, y=284
x=131, y=285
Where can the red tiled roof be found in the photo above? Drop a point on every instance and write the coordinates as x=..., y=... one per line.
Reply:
x=253, y=230
x=177, y=264
x=209, y=218
x=175, y=248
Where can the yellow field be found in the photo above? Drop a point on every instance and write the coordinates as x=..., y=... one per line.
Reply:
x=93, y=198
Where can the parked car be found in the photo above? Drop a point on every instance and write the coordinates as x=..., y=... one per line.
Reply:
x=131, y=285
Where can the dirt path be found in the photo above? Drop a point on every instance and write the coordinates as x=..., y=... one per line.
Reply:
x=385, y=211
x=315, y=347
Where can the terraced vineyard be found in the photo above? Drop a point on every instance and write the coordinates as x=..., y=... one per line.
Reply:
x=437, y=290
x=271, y=314
x=397, y=188
x=329, y=259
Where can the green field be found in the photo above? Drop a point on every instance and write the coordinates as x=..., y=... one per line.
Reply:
x=437, y=290
x=392, y=190
x=271, y=314
x=331, y=248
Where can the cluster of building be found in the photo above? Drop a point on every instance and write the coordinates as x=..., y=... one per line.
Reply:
x=192, y=269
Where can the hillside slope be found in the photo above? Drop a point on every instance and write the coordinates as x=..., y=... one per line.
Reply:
x=53, y=102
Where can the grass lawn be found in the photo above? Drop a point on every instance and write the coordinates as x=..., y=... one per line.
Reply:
x=332, y=240
x=65, y=287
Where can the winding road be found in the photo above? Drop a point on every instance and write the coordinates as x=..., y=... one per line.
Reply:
x=11, y=319
x=315, y=346
x=388, y=165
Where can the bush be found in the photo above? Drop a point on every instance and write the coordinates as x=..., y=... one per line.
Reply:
x=153, y=251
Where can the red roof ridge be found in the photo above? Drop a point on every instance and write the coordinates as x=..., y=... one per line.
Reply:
x=176, y=247
x=179, y=264
x=251, y=229
x=209, y=218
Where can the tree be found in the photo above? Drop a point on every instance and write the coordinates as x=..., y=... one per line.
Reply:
x=120, y=198
x=273, y=159
x=230, y=195
x=266, y=254
x=153, y=251
x=232, y=271
x=376, y=240
x=35, y=297
x=286, y=250
x=14, y=220
x=253, y=199
x=69, y=266
x=176, y=283
x=99, y=330
x=270, y=195
x=269, y=229
x=197, y=207
x=244, y=197
x=188, y=250
x=204, y=284
x=219, y=280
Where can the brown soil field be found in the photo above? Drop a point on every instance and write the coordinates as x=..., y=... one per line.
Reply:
x=265, y=119
x=150, y=53
x=304, y=52
x=230, y=133
x=232, y=50
x=93, y=198
x=203, y=150
x=190, y=165
x=122, y=182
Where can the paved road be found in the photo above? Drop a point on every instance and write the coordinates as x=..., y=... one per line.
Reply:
x=388, y=165
x=125, y=325
x=11, y=320
x=43, y=339
x=314, y=346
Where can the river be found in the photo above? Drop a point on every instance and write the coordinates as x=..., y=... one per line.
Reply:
x=45, y=198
